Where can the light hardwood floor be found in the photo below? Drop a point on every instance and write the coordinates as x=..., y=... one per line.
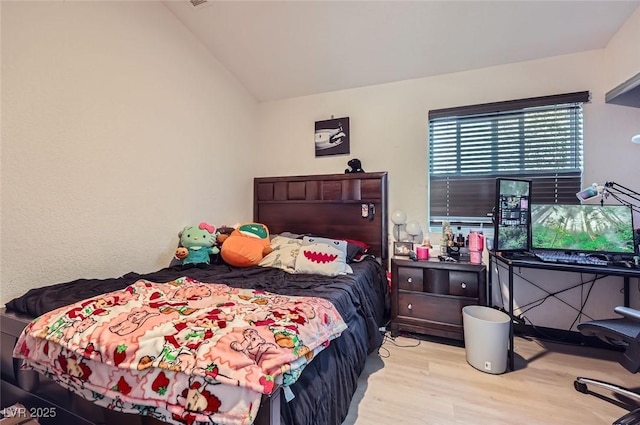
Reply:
x=432, y=384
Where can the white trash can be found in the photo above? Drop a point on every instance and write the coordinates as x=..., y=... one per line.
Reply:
x=486, y=338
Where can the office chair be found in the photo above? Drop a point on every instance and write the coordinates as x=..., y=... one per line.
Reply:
x=623, y=332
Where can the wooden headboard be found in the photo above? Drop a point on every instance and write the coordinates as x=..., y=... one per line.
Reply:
x=330, y=205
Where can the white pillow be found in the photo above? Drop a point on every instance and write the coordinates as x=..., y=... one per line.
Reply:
x=283, y=256
x=322, y=256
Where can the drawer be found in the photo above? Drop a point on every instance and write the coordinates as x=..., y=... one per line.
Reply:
x=437, y=308
x=436, y=281
x=410, y=278
x=463, y=284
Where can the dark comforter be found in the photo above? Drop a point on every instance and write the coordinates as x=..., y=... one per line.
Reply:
x=324, y=391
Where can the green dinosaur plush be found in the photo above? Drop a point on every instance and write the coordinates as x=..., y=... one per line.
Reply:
x=196, y=244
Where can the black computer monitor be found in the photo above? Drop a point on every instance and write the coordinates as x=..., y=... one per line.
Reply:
x=606, y=229
x=512, y=230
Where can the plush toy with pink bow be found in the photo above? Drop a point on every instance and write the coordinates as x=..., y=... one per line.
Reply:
x=197, y=243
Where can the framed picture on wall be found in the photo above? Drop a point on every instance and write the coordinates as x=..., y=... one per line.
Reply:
x=332, y=137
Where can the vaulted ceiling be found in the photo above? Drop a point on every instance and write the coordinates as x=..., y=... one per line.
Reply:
x=282, y=49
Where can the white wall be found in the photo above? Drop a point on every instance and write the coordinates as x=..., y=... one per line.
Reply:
x=118, y=129
x=389, y=132
x=622, y=54
x=621, y=62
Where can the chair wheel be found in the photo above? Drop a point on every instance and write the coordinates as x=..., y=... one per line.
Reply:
x=580, y=387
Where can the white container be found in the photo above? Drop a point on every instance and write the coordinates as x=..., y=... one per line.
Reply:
x=486, y=338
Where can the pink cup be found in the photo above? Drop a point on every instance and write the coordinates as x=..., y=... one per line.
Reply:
x=476, y=246
x=475, y=257
x=422, y=252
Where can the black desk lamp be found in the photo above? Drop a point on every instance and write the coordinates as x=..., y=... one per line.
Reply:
x=616, y=190
x=620, y=193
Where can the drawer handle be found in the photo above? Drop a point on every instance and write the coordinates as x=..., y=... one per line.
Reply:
x=464, y=285
x=410, y=307
x=409, y=279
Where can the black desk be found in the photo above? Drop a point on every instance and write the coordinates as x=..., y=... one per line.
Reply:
x=533, y=263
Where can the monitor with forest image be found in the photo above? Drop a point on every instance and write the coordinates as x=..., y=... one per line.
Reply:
x=606, y=229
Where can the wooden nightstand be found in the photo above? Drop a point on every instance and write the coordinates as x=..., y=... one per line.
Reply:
x=427, y=296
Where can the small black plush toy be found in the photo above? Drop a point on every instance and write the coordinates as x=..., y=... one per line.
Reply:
x=356, y=166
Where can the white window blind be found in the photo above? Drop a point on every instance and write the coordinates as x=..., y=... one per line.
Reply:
x=538, y=139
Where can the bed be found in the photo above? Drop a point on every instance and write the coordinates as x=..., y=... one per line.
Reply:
x=341, y=206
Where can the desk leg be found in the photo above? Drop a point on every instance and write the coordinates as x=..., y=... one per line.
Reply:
x=490, y=283
x=626, y=291
x=511, y=348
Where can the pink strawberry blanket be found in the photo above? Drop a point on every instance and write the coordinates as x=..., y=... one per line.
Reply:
x=183, y=352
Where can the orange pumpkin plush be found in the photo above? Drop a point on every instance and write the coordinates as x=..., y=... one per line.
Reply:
x=246, y=245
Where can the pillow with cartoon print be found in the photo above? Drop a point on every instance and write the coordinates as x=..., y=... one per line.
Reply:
x=284, y=254
x=322, y=256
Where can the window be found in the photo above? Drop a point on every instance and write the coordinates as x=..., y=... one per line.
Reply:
x=537, y=138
